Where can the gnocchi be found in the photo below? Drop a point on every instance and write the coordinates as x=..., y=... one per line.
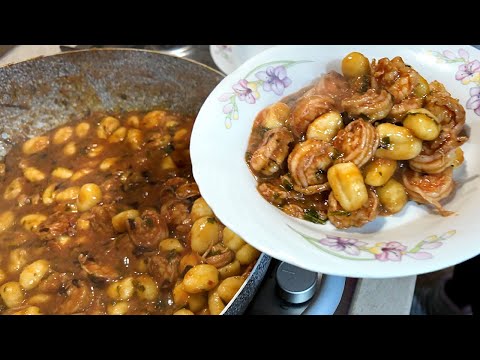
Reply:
x=397, y=143
x=204, y=233
x=89, y=195
x=200, y=278
x=348, y=186
x=325, y=127
x=12, y=294
x=392, y=196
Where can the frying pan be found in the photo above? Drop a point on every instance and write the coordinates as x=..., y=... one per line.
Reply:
x=40, y=94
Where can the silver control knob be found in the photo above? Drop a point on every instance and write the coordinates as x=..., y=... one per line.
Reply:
x=295, y=285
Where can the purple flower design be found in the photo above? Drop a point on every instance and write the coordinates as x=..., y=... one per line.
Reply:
x=467, y=71
x=274, y=79
x=392, y=251
x=350, y=246
x=246, y=91
x=462, y=54
x=474, y=102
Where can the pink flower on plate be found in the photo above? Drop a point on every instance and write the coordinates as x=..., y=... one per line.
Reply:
x=274, y=79
x=474, y=102
x=462, y=54
x=392, y=251
x=246, y=91
x=467, y=72
x=350, y=246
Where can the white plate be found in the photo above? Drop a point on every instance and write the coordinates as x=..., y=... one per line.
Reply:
x=230, y=57
x=414, y=241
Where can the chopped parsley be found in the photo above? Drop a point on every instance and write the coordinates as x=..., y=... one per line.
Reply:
x=148, y=222
x=211, y=220
x=312, y=216
x=319, y=173
x=335, y=154
x=169, y=148
x=287, y=185
x=385, y=142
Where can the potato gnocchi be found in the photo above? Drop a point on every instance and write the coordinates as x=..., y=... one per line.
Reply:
x=358, y=145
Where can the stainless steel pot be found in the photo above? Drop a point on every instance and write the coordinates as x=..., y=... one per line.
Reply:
x=40, y=94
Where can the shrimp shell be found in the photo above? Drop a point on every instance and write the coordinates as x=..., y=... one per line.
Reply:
x=357, y=142
x=375, y=106
x=272, y=152
x=437, y=155
x=308, y=163
x=429, y=188
x=449, y=112
x=368, y=212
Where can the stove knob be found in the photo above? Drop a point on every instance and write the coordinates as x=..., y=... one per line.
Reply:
x=295, y=285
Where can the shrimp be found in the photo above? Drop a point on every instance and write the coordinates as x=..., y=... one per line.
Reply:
x=307, y=109
x=308, y=164
x=148, y=229
x=293, y=210
x=395, y=76
x=334, y=85
x=94, y=269
x=79, y=297
x=449, y=112
x=374, y=105
x=399, y=111
x=439, y=154
x=272, y=152
x=274, y=194
x=342, y=219
x=429, y=188
x=357, y=142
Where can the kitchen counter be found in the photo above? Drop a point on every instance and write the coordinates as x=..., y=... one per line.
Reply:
x=362, y=296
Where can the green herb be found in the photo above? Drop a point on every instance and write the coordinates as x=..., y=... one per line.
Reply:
x=148, y=222
x=262, y=130
x=211, y=220
x=335, y=154
x=340, y=213
x=169, y=148
x=312, y=216
x=365, y=83
x=319, y=173
x=248, y=155
x=276, y=196
x=287, y=185
x=385, y=142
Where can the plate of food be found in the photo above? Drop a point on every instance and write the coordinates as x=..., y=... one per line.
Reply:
x=357, y=161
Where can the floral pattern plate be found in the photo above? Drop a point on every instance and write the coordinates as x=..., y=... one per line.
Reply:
x=412, y=242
